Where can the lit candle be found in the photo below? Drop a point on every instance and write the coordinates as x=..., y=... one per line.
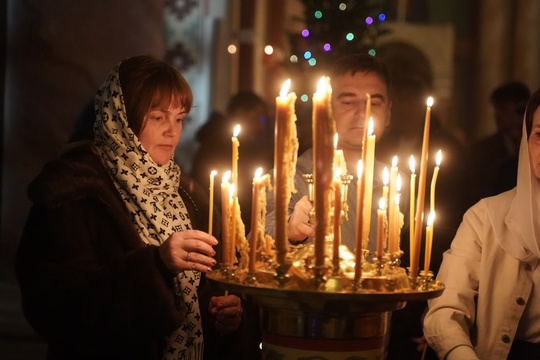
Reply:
x=255, y=216
x=359, y=222
x=225, y=217
x=234, y=190
x=337, y=214
x=429, y=241
x=339, y=158
x=412, y=166
x=285, y=149
x=438, y=159
x=232, y=221
x=368, y=182
x=415, y=256
x=323, y=132
x=398, y=221
x=392, y=225
x=381, y=233
x=385, y=180
x=211, y=205
x=235, y=145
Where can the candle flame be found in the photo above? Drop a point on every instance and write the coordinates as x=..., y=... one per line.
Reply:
x=236, y=130
x=226, y=177
x=394, y=161
x=382, y=204
x=398, y=183
x=412, y=164
x=359, y=169
x=337, y=173
x=258, y=173
x=438, y=158
x=431, y=218
x=322, y=86
x=335, y=140
x=285, y=88
x=213, y=173
x=370, y=126
x=429, y=101
x=385, y=176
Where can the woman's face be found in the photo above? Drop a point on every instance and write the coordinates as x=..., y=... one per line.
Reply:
x=534, y=143
x=161, y=132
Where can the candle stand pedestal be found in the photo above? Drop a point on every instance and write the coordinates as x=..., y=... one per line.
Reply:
x=339, y=322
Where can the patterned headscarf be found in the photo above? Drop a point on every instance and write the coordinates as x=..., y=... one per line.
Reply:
x=524, y=214
x=150, y=193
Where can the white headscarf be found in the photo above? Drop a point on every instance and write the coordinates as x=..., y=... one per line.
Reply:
x=150, y=193
x=522, y=218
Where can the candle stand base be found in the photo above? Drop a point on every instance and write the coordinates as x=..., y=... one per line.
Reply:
x=336, y=321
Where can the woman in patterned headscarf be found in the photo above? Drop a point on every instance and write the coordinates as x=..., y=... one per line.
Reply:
x=110, y=262
x=490, y=308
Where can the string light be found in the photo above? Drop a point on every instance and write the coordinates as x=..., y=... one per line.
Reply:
x=231, y=49
x=268, y=50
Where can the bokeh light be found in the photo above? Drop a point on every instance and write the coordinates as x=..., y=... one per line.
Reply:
x=231, y=49
x=349, y=36
x=268, y=50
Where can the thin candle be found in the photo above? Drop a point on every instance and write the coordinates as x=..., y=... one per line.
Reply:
x=232, y=222
x=438, y=159
x=412, y=191
x=381, y=232
x=415, y=256
x=429, y=242
x=367, y=183
x=211, y=202
x=359, y=222
x=337, y=214
x=255, y=215
x=385, y=180
x=225, y=215
x=392, y=225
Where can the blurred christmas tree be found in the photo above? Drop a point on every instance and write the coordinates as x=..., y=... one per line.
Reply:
x=332, y=28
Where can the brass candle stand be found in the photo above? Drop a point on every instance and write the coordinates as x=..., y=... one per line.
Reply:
x=321, y=311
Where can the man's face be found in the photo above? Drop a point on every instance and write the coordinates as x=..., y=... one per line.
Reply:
x=349, y=107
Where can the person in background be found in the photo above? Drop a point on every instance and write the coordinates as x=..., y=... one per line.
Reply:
x=256, y=140
x=351, y=78
x=494, y=159
x=489, y=308
x=112, y=259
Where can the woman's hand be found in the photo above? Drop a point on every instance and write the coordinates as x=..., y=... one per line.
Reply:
x=299, y=226
x=227, y=311
x=188, y=250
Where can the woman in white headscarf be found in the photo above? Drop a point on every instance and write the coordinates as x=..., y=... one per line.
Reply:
x=490, y=308
x=110, y=263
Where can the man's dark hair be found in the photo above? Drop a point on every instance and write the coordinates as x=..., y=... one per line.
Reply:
x=362, y=63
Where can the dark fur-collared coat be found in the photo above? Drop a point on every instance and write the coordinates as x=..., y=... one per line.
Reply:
x=90, y=287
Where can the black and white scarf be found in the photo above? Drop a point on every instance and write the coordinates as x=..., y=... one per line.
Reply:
x=150, y=193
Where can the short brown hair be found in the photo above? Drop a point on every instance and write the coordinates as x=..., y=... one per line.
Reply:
x=148, y=83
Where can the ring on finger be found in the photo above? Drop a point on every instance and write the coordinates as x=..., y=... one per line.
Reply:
x=188, y=257
x=193, y=266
